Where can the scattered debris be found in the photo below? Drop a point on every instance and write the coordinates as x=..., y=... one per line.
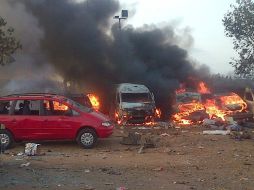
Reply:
x=181, y=182
x=209, y=122
x=88, y=187
x=165, y=135
x=140, y=151
x=201, y=180
x=230, y=120
x=87, y=171
x=158, y=169
x=244, y=179
x=216, y=127
x=239, y=135
x=20, y=154
x=110, y=171
x=234, y=127
x=121, y=188
x=216, y=132
x=131, y=138
x=25, y=165
x=31, y=149
x=109, y=183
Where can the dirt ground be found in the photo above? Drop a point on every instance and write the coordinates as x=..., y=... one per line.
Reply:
x=185, y=159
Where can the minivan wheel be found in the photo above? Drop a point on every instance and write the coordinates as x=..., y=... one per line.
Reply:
x=6, y=139
x=87, y=138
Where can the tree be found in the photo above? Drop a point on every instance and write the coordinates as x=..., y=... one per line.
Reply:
x=8, y=43
x=239, y=25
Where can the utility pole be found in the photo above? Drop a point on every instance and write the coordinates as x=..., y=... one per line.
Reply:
x=124, y=15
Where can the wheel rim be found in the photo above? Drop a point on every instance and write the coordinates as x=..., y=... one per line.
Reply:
x=87, y=139
x=4, y=139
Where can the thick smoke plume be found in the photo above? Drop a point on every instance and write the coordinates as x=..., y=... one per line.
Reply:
x=82, y=43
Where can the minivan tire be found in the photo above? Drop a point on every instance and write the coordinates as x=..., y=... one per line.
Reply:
x=6, y=137
x=87, y=138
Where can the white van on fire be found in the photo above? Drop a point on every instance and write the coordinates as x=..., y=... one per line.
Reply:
x=133, y=104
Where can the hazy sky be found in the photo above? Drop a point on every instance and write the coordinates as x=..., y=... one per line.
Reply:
x=203, y=17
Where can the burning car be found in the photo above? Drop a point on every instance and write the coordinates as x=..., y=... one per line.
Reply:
x=89, y=100
x=83, y=99
x=133, y=104
x=194, y=107
x=188, y=108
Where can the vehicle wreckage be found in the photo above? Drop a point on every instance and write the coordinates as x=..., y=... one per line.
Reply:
x=133, y=104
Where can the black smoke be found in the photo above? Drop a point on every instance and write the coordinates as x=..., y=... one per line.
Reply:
x=85, y=46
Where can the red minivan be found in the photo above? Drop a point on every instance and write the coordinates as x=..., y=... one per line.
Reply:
x=38, y=117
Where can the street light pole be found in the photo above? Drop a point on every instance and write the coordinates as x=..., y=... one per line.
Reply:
x=123, y=16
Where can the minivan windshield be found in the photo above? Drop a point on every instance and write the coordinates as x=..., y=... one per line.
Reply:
x=79, y=106
x=136, y=97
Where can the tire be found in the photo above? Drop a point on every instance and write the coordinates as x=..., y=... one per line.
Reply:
x=87, y=138
x=6, y=138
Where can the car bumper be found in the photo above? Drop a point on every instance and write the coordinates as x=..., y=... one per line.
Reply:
x=105, y=132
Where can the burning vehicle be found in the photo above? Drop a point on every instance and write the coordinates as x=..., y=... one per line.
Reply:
x=194, y=107
x=89, y=100
x=232, y=105
x=83, y=99
x=188, y=108
x=133, y=104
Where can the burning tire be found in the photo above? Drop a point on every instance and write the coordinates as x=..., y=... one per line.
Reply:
x=87, y=138
x=6, y=139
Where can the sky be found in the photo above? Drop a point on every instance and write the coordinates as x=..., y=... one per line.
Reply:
x=202, y=17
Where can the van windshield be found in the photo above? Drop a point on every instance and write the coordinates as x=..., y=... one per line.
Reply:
x=79, y=106
x=136, y=97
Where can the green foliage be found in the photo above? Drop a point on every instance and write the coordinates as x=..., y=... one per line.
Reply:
x=8, y=43
x=239, y=25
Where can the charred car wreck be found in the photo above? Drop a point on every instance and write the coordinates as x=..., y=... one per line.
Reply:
x=133, y=104
x=188, y=108
x=194, y=107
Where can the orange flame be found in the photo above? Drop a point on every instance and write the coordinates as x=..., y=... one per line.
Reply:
x=94, y=101
x=202, y=88
x=185, y=110
x=217, y=107
x=158, y=113
x=56, y=105
x=213, y=111
x=234, y=99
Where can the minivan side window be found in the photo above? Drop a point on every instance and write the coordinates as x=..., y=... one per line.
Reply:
x=61, y=109
x=56, y=108
x=27, y=107
x=47, y=107
x=5, y=107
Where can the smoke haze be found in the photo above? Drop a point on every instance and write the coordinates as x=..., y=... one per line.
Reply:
x=82, y=43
